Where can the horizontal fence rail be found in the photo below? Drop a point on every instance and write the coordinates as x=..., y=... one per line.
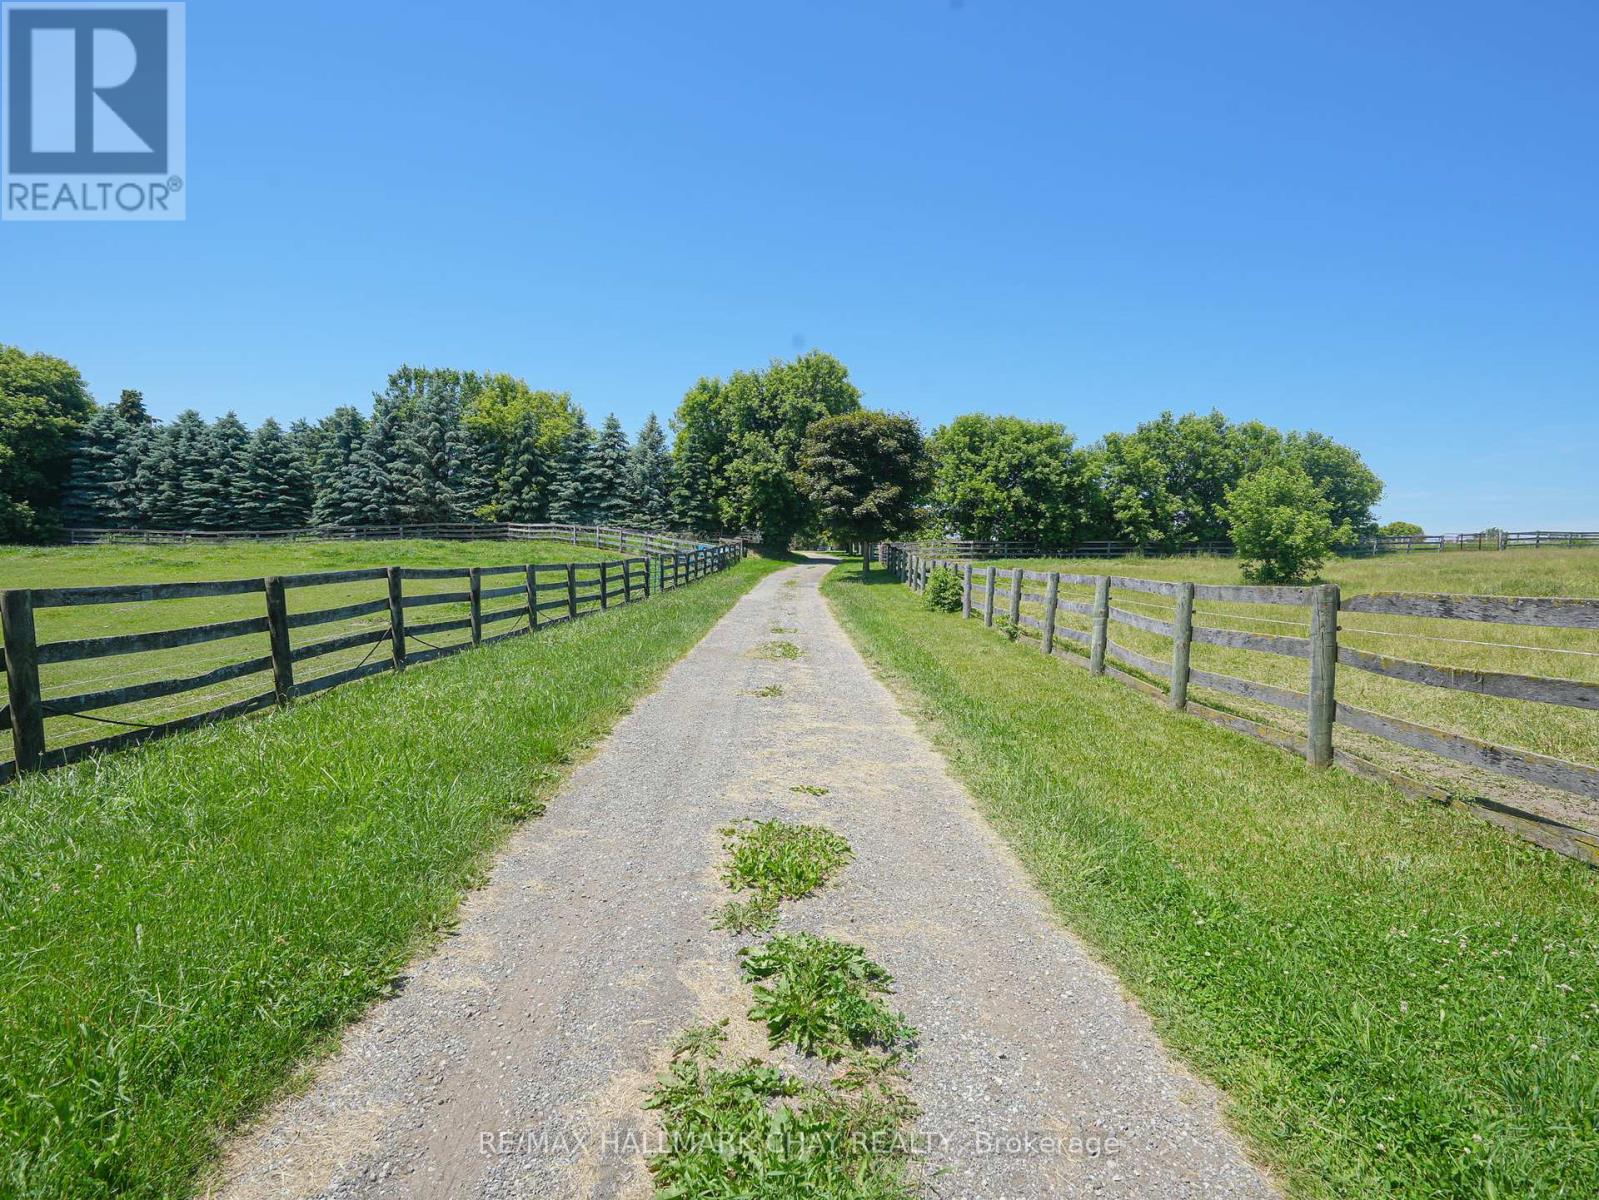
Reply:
x=995, y=595
x=406, y=621
x=603, y=537
x=1533, y=539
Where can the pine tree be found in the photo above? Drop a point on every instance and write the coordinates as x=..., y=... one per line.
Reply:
x=371, y=498
x=130, y=408
x=611, y=498
x=694, y=506
x=523, y=496
x=649, y=478
x=216, y=495
x=174, y=472
x=427, y=461
x=480, y=475
x=274, y=489
x=89, y=499
x=341, y=437
x=571, y=478
x=130, y=506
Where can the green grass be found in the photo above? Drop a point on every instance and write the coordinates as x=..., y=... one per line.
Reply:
x=74, y=566
x=1397, y=999
x=181, y=924
x=1568, y=733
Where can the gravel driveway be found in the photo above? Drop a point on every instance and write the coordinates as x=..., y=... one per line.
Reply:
x=514, y=1060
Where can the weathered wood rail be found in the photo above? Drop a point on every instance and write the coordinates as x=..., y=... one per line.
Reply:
x=546, y=594
x=988, y=591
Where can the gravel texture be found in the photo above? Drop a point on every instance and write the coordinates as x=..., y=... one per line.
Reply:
x=514, y=1060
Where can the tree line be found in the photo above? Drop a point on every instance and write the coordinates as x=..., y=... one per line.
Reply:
x=788, y=450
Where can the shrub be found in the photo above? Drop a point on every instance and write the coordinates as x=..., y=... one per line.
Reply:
x=943, y=591
x=1401, y=529
x=1282, y=525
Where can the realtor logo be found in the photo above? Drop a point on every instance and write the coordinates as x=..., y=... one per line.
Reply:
x=92, y=111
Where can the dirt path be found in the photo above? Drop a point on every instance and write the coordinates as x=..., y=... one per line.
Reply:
x=514, y=1061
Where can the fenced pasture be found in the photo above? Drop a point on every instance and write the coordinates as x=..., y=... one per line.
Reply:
x=1486, y=699
x=93, y=666
x=1529, y=539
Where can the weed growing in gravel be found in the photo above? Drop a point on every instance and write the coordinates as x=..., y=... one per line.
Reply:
x=820, y=996
x=810, y=789
x=755, y=915
x=767, y=692
x=778, y=650
x=782, y=859
x=784, y=629
x=752, y=1133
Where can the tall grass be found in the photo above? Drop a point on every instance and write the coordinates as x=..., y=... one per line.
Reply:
x=1398, y=1001
x=180, y=924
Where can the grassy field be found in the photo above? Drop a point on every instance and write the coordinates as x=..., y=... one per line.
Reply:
x=1398, y=1000
x=1567, y=733
x=181, y=924
x=88, y=565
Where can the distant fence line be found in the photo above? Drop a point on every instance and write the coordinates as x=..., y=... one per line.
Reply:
x=1531, y=539
x=551, y=593
x=1323, y=654
x=603, y=537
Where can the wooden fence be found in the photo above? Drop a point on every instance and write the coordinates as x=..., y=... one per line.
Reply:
x=545, y=594
x=603, y=537
x=983, y=596
x=1531, y=539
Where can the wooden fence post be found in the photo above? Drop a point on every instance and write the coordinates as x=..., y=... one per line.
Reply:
x=966, y=593
x=474, y=588
x=1101, y=627
x=571, y=591
x=532, y=597
x=1323, y=710
x=1016, y=596
x=396, y=619
x=22, y=678
x=605, y=586
x=277, y=614
x=1181, y=645
x=646, y=578
x=988, y=598
x=1051, y=598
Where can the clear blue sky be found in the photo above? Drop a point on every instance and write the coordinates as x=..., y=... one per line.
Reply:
x=1379, y=220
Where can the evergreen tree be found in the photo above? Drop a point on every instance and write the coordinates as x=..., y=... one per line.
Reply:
x=340, y=438
x=524, y=494
x=130, y=408
x=427, y=464
x=612, y=495
x=217, y=493
x=89, y=499
x=649, y=478
x=173, y=473
x=274, y=488
x=571, y=479
x=693, y=496
x=480, y=474
x=130, y=507
x=371, y=497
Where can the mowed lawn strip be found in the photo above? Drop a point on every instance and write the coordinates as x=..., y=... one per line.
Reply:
x=181, y=924
x=1397, y=999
